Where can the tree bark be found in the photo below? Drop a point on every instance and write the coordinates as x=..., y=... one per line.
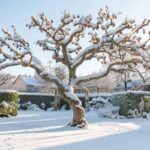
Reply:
x=78, y=117
x=78, y=111
x=57, y=100
x=125, y=82
x=72, y=73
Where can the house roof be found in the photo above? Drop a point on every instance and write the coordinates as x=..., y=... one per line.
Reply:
x=28, y=80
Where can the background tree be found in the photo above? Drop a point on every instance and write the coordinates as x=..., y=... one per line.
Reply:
x=141, y=73
x=126, y=75
x=105, y=84
x=59, y=70
x=109, y=42
x=4, y=78
x=132, y=73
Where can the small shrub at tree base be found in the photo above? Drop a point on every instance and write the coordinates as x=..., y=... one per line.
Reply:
x=8, y=103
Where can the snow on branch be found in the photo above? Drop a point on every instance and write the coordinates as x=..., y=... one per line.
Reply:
x=106, y=38
x=18, y=48
x=106, y=70
x=16, y=51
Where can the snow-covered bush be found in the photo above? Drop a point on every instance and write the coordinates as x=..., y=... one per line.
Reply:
x=36, y=98
x=8, y=103
x=108, y=112
x=34, y=107
x=105, y=107
x=128, y=103
x=29, y=106
x=43, y=106
x=99, y=102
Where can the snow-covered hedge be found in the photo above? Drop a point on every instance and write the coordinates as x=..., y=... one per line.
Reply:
x=43, y=98
x=128, y=102
x=36, y=98
x=8, y=103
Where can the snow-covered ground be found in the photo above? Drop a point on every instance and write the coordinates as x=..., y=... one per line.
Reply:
x=48, y=131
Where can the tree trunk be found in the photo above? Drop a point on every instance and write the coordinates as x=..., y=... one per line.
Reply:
x=125, y=82
x=56, y=104
x=78, y=117
x=78, y=111
x=72, y=73
x=126, y=86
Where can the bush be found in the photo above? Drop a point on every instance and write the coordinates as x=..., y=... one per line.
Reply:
x=128, y=101
x=8, y=103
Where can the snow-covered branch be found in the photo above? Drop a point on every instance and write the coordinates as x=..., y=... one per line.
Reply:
x=18, y=48
x=19, y=53
x=5, y=65
x=105, y=72
x=110, y=40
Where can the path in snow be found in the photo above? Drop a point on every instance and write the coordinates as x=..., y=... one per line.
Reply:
x=48, y=131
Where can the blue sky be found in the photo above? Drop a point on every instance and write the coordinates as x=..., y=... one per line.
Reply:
x=18, y=12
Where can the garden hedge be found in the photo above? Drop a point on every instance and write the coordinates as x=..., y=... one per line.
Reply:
x=47, y=99
x=128, y=101
x=8, y=103
x=125, y=100
x=36, y=98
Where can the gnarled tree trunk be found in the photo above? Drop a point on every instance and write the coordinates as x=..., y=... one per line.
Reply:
x=78, y=111
x=78, y=116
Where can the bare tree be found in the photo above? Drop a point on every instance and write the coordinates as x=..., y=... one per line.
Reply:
x=4, y=78
x=105, y=84
x=110, y=43
x=141, y=72
x=131, y=73
x=125, y=75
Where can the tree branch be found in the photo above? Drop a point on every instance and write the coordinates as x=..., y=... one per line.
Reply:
x=103, y=73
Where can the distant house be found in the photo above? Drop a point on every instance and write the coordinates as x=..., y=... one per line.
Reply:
x=31, y=84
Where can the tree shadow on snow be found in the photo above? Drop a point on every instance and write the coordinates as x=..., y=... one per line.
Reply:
x=124, y=141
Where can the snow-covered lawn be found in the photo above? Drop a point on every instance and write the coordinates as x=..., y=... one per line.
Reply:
x=48, y=131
